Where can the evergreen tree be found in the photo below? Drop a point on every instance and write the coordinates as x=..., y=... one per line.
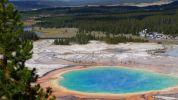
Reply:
x=15, y=78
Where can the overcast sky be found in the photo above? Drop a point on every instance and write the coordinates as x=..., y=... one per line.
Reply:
x=47, y=0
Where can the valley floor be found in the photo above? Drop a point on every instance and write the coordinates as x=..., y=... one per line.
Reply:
x=48, y=57
x=50, y=60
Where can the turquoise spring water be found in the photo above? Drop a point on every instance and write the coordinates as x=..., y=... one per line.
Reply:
x=115, y=80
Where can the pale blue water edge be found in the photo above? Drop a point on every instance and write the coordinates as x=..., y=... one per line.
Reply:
x=115, y=80
x=172, y=52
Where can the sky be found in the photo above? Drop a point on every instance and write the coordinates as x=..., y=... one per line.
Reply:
x=81, y=0
x=47, y=0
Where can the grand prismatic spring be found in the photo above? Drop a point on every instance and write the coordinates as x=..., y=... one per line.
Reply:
x=115, y=80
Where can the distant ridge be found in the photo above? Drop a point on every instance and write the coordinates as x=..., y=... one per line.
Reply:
x=36, y=5
x=110, y=9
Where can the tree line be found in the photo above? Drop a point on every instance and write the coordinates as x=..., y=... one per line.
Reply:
x=84, y=38
x=129, y=23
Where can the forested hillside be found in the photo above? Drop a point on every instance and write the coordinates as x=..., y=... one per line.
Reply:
x=130, y=23
x=112, y=20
